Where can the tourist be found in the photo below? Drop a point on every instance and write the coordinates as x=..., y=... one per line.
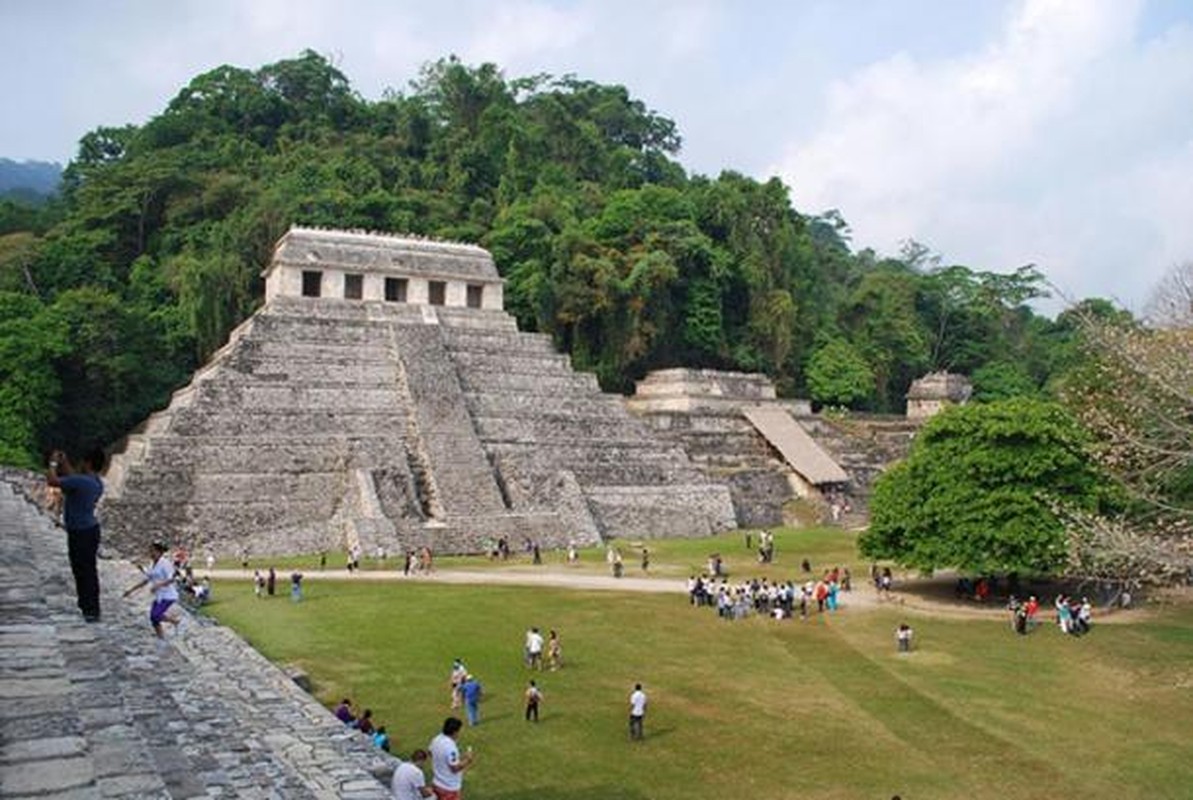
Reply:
x=471, y=692
x=533, y=698
x=409, y=782
x=160, y=579
x=344, y=713
x=1031, y=608
x=1085, y=615
x=884, y=583
x=903, y=636
x=210, y=562
x=617, y=565
x=1064, y=617
x=447, y=766
x=425, y=560
x=381, y=738
x=637, y=712
x=322, y=560
x=534, y=649
x=645, y=559
x=244, y=559
x=456, y=680
x=81, y=490
x=554, y=651
x=365, y=723
x=271, y=582
x=537, y=557
x=258, y=584
x=296, y=586
x=806, y=566
x=573, y=556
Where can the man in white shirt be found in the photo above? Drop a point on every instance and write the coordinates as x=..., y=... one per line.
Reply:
x=447, y=767
x=409, y=783
x=637, y=711
x=534, y=649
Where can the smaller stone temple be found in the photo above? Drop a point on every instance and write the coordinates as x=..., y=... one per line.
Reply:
x=734, y=427
x=930, y=394
x=382, y=398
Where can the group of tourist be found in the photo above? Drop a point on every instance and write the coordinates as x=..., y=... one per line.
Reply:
x=265, y=584
x=536, y=652
x=363, y=722
x=777, y=599
x=448, y=765
x=1073, y=616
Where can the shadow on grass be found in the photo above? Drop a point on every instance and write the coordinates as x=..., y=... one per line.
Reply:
x=602, y=792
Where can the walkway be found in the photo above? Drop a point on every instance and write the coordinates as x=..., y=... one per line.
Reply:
x=96, y=711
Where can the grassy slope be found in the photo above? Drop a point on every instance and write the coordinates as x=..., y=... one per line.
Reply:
x=754, y=708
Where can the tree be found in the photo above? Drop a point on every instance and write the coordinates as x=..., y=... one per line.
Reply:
x=1171, y=302
x=1135, y=394
x=838, y=375
x=30, y=340
x=977, y=491
x=1001, y=380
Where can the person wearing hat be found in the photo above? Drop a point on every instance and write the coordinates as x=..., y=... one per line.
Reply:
x=160, y=579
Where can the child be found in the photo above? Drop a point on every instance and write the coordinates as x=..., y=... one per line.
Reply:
x=160, y=578
x=903, y=637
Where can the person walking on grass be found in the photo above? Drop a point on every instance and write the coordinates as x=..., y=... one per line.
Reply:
x=81, y=489
x=456, y=680
x=637, y=712
x=533, y=698
x=534, y=649
x=903, y=636
x=160, y=579
x=447, y=765
x=554, y=652
x=471, y=691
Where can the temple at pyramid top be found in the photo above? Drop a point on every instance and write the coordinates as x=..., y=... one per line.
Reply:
x=359, y=265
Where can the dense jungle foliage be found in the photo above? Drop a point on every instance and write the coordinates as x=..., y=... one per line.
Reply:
x=112, y=294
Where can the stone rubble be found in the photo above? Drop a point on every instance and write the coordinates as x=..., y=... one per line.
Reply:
x=98, y=711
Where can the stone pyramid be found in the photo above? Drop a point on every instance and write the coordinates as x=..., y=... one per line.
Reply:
x=381, y=397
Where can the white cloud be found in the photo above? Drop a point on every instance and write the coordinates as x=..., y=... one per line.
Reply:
x=1040, y=148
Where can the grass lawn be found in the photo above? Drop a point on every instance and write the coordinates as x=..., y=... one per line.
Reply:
x=756, y=708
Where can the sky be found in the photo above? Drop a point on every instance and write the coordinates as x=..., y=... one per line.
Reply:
x=998, y=133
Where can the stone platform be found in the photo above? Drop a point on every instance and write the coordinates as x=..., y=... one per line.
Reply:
x=97, y=711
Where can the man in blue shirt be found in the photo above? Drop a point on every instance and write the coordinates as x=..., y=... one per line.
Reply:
x=81, y=490
x=470, y=690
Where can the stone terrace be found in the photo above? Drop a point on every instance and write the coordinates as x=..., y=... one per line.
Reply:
x=96, y=711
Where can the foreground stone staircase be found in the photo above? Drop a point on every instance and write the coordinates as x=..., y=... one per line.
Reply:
x=98, y=711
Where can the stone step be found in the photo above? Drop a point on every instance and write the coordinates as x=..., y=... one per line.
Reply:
x=527, y=363
x=269, y=424
x=510, y=381
x=99, y=711
x=463, y=339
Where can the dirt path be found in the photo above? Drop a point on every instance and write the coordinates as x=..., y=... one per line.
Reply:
x=920, y=595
